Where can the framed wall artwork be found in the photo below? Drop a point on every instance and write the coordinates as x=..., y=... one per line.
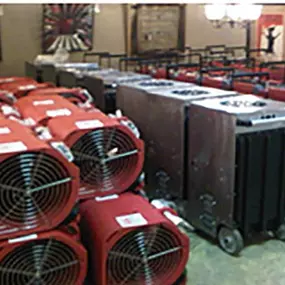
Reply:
x=68, y=26
x=154, y=27
x=270, y=34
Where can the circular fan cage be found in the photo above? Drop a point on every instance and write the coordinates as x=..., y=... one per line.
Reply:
x=43, y=261
x=35, y=188
x=108, y=159
x=150, y=255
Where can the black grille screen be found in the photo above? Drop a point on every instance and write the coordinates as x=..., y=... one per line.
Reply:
x=259, y=180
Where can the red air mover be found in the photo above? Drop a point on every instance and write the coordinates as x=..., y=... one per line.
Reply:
x=214, y=82
x=53, y=257
x=108, y=152
x=132, y=243
x=276, y=93
x=41, y=108
x=39, y=186
x=249, y=88
x=74, y=95
x=22, y=88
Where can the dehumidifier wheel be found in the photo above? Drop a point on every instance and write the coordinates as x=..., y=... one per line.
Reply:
x=230, y=240
x=280, y=233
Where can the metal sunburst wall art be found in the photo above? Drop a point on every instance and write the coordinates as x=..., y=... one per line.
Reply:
x=68, y=26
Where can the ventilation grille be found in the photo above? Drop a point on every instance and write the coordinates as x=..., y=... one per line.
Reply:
x=190, y=92
x=156, y=83
x=107, y=158
x=46, y=261
x=149, y=256
x=243, y=103
x=34, y=190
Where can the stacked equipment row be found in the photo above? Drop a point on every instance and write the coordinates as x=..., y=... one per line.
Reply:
x=71, y=164
x=197, y=155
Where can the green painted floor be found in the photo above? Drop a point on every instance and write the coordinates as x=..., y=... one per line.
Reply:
x=260, y=264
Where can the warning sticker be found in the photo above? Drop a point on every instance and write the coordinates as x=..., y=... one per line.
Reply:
x=43, y=102
x=89, y=124
x=5, y=130
x=58, y=112
x=12, y=147
x=132, y=220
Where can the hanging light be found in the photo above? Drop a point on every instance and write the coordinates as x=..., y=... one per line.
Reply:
x=232, y=14
x=215, y=12
x=97, y=9
x=251, y=12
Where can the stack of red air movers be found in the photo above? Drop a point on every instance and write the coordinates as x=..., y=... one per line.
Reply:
x=39, y=218
x=106, y=156
x=213, y=68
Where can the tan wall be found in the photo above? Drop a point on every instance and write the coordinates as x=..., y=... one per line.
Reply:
x=200, y=32
x=21, y=33
x=21, y=37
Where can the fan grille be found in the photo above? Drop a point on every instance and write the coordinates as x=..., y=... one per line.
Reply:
x=107, y=158
x=34, y=189
x=41, y=262
x=190, y=92
x=156, y=84
x=148, y=256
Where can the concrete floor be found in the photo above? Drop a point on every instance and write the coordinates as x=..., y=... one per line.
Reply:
x=258, y=264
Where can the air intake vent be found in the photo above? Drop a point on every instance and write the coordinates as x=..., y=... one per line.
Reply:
x=156, y=84
x=144, y=256
x=35, y=188
x=190, y=92
x=53, y=257
x=243, y=103
x=106, y=157
x=40, y=262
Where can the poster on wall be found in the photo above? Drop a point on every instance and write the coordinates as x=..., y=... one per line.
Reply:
x=68, y=26
x=158, y=27
x=270, y=35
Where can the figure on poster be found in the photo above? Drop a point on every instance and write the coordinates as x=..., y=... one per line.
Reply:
x=271, y=39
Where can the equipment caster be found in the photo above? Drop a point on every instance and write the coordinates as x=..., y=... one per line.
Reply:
x=230, y=240
x=280, y=233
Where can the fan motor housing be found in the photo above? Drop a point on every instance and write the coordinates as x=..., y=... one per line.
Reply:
x=116, y=228
x=41, y=108
x=93, y=137
x=39, y=187
x=74, y=95
x=56, y=257
x=22, y=88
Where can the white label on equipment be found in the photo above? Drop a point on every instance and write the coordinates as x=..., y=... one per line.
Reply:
x=12, y=147
x=58, y=112
x=89, y=124
x=5, y=130
x=132, y=220
x=27, y=87
x=158, y=204
x=44, y=102
x=24, y=238
x=106, y=198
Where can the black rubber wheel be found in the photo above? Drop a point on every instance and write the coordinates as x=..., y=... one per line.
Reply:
x=280, y=233
x=230, y=240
